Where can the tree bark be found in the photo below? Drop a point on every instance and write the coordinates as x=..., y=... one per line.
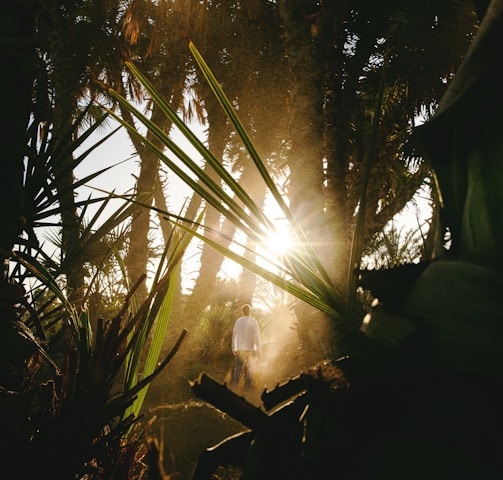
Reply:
x=306, y=192
x=18, y=52
x=148, y=187
x=210, y=261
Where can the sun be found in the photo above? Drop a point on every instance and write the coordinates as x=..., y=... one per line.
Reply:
x=279, y=242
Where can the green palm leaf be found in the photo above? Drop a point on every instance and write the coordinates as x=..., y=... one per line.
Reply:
x=157, y=317
x=298, y=271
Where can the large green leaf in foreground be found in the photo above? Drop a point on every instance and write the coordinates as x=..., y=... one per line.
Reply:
x=299, y=270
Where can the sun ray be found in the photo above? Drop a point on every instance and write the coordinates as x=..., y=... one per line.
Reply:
x=279, y=241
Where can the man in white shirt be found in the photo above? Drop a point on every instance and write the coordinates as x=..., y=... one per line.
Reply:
x=246, y=345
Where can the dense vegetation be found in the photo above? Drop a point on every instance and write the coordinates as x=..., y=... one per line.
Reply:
x=313, y=106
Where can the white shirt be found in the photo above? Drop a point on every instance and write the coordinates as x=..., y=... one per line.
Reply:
x=246, y=335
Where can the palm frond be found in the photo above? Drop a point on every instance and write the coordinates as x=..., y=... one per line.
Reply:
x=302, y=272
x=156, y=316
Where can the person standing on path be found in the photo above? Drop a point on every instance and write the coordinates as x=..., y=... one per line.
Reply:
x=246, y=345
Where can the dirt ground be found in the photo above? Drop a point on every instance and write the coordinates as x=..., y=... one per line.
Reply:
x=185, y=426
x=185, y=430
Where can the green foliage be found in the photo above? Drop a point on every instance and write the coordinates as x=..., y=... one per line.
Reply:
x=392, y=247
x=69, y=412
x=45, y=402
x=73, y=380
x=299, y=270
x=157, y=312
x=212, y=337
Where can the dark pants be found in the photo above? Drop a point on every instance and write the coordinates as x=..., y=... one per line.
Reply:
x=242, y=367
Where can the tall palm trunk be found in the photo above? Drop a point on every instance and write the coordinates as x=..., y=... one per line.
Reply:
x=306, y=117
x=306, y=191
x=138, y=252
x=18, y=52
x=72, y=262
x=148, y=187
x=339, y=208
x=210, y=260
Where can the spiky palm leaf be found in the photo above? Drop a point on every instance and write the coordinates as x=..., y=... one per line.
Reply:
x=300, y=271
x=80, y=409
x=85, y=410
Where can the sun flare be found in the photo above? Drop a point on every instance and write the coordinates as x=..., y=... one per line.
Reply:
x=279, y=241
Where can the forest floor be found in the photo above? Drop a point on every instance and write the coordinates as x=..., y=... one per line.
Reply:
x=186, y=430
x=184, y=425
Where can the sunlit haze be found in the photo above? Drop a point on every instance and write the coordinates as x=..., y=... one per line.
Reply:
x=279, y=241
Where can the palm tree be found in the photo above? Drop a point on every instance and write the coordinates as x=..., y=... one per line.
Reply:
x=157, y=31
x=372, y=150
x=363, y=57
x=45, y=401
x=18, y=51
x=338, y=102
x=248, y=43
x=306, y=116
x=68, y=34
x=394, y=246
x=379, y=371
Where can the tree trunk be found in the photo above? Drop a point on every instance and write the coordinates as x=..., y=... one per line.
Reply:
x=72, y=254
x=210, y=261
x=306, y=191
x=16, y=82
x=148, y=187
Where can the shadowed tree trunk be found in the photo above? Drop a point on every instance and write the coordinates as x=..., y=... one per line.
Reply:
x=210, y=260
x=16, y=82
x=305, y=158
x=71, y=259
x=148, y=187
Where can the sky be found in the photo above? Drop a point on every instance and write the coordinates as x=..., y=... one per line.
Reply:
x=119, y=154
